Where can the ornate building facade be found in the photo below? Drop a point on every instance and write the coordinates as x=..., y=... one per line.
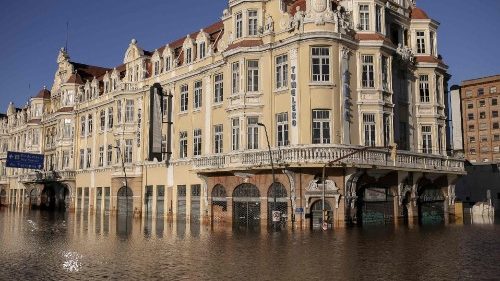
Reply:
x=318, y=80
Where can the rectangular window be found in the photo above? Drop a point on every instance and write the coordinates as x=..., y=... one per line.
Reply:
x=471, y=127
x=468, y=93
x=364, y=17
x=118, y=150
x=253, y=76
x=482, y=103
x=90, y=123
x=183, y=144
x=470, y=116
x=184, y=98
x=470, y=105
x=197, y=142
x=128, y=151
x=472, y=139
x=119, y=111
x=235, y=134
x=129, y=111
x=433, y=40
x=163, y=147
x=109, y=154
x=482, y=115
x=494, y=114
x=156, y=68
x=65, y=159
x=369, y=126
x=67, y=131
x=82, y=159
x=321, y=127
x=484, y=139
x=438, y=89
x=493, y=90
x=378, y=18
x=426, y=139
x=320, y=64
x=472, y=151
x=424, y=89
x=218, y=138
x=103, y=119
x=420, y=42
x=282, y=128
x=101, y=156
x=110, y=118
x=494, y=102
x=168, y=63
x=239, y=25
x=235, y=74
x=480, y=91
x=89, y=158
x=281, y=71
x=203, y=50
x=252, y=23
x=219, y=88
x=387, y=130
x=368, y=76
x=252, y=133
x=496, y=137
x=189, y=55
x=385, y=73
x=495, y=126
x=198, y=94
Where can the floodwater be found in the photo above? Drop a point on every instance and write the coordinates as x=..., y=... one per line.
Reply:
x=36, y=245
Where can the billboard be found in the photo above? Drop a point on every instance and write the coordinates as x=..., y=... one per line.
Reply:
x=24, y=160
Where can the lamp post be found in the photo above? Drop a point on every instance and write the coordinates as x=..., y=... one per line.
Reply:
x=272, y=171
x=124, y=174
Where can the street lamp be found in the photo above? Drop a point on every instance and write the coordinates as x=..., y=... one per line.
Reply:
x=272, y=171
x=124, y=174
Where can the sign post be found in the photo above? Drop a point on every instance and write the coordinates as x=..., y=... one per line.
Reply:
x=24, y=160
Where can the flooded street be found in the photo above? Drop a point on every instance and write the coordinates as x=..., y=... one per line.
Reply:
x=39, y=245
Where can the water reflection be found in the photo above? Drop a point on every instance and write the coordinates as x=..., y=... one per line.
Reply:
x=83, y=245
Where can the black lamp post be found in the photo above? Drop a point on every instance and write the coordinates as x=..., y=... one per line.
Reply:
x=272, y=171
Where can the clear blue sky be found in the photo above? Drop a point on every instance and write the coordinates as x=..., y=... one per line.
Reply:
x=32, y=32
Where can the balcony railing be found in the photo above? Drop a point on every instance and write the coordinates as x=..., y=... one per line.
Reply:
x=48, y=176
x=321, y=154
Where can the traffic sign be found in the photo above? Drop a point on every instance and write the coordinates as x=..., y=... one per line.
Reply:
x=24, y=160
x=276, y=216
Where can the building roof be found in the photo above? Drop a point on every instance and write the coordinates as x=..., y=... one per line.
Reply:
x=418, y=14
x=245, y=43
x=75, y=78
x=482, y=80
x=430, y=59
x=43, y=94
x=372, y=37
x=88, y=72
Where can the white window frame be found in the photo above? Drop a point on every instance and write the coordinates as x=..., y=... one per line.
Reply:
x=253, y=28
x=423, y=88
x=364, y=17
x=197, y=143
x=183, y=146
x=369, y=129
x=420, y=37
x=218, y=139
x=368, y=71
x=282, y=71
x=235, y=134
x=252, y=75
x=252, y=132
x=198, y=94
x=426, y=134
x=321, y=124
x=218, y=88
x=320, y=64
x=238, y=25
x=282, y=138
x=184, y=98
x=129, y=111
x=235, y=76
x=128, y=155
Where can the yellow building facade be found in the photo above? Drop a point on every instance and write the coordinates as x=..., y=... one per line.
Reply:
x=333, y=87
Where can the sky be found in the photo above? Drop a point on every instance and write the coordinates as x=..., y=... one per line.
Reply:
x=32, y=32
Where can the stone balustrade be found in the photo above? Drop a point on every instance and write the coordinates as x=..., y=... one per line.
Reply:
x=48, y=176
x=322, y=154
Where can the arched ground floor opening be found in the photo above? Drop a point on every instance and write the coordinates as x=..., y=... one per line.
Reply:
x=219, y=204
x=3, y=198
x=246, y=206
x=277, y=206
x=316, y=213
x=431, y=205
x=54, y=197
x=375, y=205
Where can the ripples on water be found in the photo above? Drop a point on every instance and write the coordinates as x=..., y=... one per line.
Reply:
x=80, y=246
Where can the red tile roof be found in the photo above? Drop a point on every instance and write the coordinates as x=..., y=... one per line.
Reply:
x=75, y=78
x=429, y=59
x=43, y=94
x=65, y=109
x=418, y=14
x=372, y=37
x=88, y=72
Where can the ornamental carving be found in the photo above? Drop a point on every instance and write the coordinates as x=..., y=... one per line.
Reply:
x=315, y=186
x=319, y=12
x=406, y=53
x=319, y=6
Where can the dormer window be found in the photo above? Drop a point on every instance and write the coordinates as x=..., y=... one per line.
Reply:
x=252, y=23
x=168, y=63
x=157, y=68
x=106, y=86
x=364, y=17
x=189, y=55
x=202, y=50
x=239, y=25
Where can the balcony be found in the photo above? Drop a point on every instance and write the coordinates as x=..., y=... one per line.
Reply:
x=315, y=155
x=50, y=176
x=131, y=171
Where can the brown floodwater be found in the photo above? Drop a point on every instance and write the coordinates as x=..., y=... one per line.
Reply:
x=36, y=245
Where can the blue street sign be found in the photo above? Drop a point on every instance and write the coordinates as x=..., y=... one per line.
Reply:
x=24, y=160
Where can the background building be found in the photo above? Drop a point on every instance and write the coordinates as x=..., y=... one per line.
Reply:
x=318, y=79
